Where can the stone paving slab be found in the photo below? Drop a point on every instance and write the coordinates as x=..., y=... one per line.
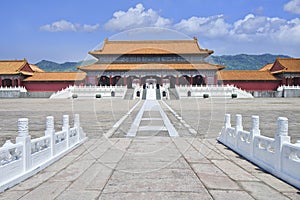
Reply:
x=156, y=195
x=187, y=167
x=53, y=188
x=234, y=171
x=230, y=194
x=259, y=190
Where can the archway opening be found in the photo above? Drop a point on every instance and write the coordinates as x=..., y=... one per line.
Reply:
x=103, y=81
x=198, y=80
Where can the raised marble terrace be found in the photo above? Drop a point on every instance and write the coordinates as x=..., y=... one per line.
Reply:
x=149, y=152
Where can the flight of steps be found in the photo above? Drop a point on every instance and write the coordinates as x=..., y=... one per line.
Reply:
x=144, y=94
x=173, y=94
x=158, y=96
x=129, y=94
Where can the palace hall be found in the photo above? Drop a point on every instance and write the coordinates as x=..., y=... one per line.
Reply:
x=158, y=62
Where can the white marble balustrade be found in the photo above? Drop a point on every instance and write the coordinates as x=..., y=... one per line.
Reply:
x=28, y=156
x=276, y=155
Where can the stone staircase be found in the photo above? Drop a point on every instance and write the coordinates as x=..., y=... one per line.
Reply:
x=144, y=94
x=129, y=94
x=158, y=96
x=173, y=94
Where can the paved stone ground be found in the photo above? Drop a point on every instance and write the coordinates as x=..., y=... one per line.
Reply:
x=151, y=167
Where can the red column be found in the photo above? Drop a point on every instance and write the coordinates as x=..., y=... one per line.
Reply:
x=205, y=79
x=95, y=80
x=110, y=80
x=191, y=80
x=216, y=80
x=12, y=82
x=125, y=81
x=0, y=82
x=140, y=80
x=177, y=80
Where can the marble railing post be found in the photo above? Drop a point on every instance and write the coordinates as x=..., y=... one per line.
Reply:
x=281, y=136
x=77, y=125
x=66, y=127
x=253, y=132
x=24, y=138
x=51, y=132
x=227, y=123
x=238, y=127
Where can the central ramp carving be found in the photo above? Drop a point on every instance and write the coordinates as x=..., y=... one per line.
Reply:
x=151, y=120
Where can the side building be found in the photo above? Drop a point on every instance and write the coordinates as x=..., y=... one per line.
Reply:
x=19, y=73
x=284, y=71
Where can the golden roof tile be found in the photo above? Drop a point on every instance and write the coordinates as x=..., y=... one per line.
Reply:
x=291, y=65
x=151, y=47
x=36, y=68
x=57, y=76
x=267, y=67
x=245, y=75
x=12, y=66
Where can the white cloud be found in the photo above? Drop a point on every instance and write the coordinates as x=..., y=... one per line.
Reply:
x=255, y=34
x=256, y=28
x=255, y=25
x=136, y=17
x=289, y=32
x=89, y=28
x=63, y=25
x=211, y=27
x=293, y=6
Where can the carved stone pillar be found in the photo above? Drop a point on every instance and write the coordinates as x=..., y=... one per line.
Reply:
x=24, y=138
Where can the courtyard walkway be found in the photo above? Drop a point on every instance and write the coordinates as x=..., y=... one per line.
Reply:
x=152, y=166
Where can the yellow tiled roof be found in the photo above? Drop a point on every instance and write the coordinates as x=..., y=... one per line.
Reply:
x=12, y=66
x=245, y=75
x=151, y=47
x=156, y=66
x=291, y=65
x=57, y=76
x=35, y=68
x=267, y=67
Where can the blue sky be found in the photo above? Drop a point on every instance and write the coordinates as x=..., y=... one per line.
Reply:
x=65, y=30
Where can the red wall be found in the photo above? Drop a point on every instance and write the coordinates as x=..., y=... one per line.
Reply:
x=276, y=67
x=26, y=68
x=46, y=86
x=254, y=85
x=91, y=80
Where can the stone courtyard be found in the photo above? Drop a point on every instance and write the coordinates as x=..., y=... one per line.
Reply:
x=151, y=165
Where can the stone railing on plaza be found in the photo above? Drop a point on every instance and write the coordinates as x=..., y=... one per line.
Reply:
x=28, y=156
x=276, y=155
x=90, y=92
x=288, y=91
x=211, y=91
x=12, y=92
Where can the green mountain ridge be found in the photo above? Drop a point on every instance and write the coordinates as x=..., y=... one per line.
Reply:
x=231, y=62
x=50, y=66
x=244, y=61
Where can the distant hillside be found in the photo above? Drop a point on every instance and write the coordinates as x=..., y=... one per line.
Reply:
x=244, y=61
x=232, y=62
x=50, y=66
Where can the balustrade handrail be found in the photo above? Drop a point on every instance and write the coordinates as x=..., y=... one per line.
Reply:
x=14, y=88
x=268, y=153
x=212, y=90
x=104, y=90
x=33, y=155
